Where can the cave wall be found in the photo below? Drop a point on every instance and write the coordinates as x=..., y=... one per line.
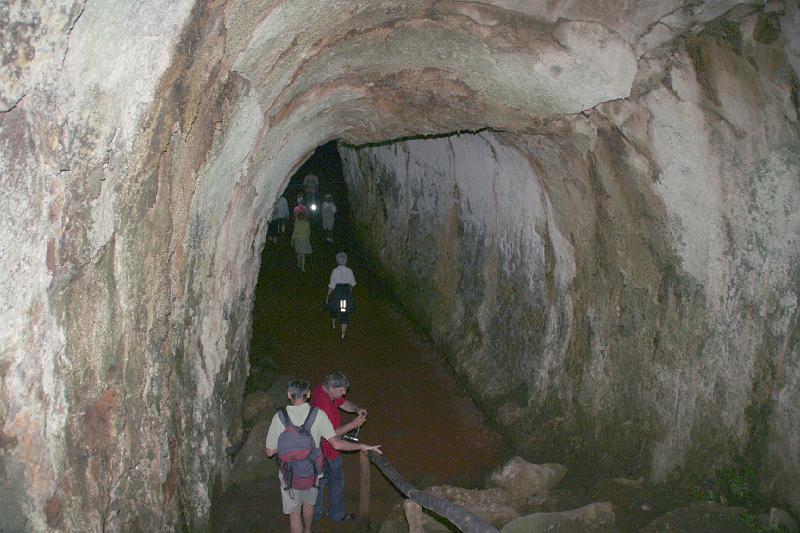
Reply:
x=142, y=148
x=619, y=289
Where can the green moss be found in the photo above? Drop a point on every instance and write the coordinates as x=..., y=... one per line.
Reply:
x=727, y=31
x=768, y=28
x=12, y=490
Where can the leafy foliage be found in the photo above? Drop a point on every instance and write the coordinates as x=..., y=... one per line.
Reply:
x=736, y=487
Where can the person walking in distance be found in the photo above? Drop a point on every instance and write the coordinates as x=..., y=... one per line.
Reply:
x=311, y=185
x=298, y=503
x=277, y=224
x=328, y=396
x=328, y=217
x=301, y=239
x=340, y=298
x=300, y=206
x=283, y=213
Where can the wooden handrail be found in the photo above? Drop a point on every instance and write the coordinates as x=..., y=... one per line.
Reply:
x=457, y=515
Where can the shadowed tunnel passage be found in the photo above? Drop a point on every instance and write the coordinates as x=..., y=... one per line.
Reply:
x=428, y=426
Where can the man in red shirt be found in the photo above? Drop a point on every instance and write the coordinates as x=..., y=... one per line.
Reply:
x=329, y=396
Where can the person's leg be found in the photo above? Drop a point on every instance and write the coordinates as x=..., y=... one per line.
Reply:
x=296, y=522
x=302, y=262
x=308, y=516
x=319, y=506
x=336, y=490
x=299, y=259
x=345, y=321
x=291, y=503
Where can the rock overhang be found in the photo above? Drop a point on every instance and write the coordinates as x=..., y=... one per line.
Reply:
x=498, y=69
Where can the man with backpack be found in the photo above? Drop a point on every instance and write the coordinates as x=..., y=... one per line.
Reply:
x=294, y=435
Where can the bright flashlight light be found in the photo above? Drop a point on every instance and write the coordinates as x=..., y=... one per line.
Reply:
x=313, y=207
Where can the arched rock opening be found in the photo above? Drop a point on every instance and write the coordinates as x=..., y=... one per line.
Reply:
x=618, y=257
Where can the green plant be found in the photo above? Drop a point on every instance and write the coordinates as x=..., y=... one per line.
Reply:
x=756, y=526
x=737, y=486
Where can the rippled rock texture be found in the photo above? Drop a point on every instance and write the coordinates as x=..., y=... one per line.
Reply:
x=610, y=258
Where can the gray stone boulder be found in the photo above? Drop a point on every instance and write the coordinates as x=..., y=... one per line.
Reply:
x=251, y=462
x=700, y=516
x=494, y=505
x=588, y=517
x=522, y=479
x=277, y=392
x=593, y=515
x=779, y=518
x=542, y=522
x=255, y=404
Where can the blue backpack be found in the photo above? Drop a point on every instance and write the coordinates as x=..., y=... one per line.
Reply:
x=299, y=459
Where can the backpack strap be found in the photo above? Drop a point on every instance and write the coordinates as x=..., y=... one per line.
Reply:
x=310, y=418
x=284, y=418
x=283, y=415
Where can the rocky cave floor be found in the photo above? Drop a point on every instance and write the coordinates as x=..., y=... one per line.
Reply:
x=429, y=428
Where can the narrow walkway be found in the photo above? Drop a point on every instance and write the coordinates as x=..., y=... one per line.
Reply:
x=430, y=430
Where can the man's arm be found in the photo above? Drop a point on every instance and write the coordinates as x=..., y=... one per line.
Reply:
x=271, y=451
x=353, y=424
x=350, y=407
x=344, y=446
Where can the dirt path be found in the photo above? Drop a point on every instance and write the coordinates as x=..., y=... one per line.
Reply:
x=430, y=430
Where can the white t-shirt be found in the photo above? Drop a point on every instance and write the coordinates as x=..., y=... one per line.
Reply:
x=281, y=209
x=328, y=208
x=322, y=426
x=341, y=274
x=311, y=183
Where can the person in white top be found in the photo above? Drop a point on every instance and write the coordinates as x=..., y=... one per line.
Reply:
x=280, y=215
x=311, y=184
x=340, y=299
x=328, y=217
x=282, y=206
x=296, y=501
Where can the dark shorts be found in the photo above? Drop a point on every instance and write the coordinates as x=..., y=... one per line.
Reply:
x=344, y=318
x=274, y=226
x=342, y=296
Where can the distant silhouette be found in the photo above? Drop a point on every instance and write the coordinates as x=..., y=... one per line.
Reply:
x=301, y=239
x=299, y=207
x=328, y=217
x=340, y=293
x=280, y=215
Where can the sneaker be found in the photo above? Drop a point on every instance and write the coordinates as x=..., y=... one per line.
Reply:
x=348, y=517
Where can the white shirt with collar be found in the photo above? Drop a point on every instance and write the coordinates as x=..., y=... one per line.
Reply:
x=341, y=274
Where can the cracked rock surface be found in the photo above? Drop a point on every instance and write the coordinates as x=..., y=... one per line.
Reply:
x=608, y=252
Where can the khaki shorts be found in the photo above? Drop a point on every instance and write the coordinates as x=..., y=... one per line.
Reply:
x=292, y=505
